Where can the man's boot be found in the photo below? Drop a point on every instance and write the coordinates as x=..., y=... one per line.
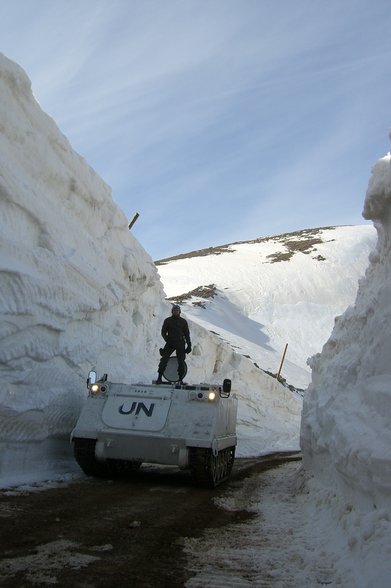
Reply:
x=159, y=379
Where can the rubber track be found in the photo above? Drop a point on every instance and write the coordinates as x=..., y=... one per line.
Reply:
x=210, y=471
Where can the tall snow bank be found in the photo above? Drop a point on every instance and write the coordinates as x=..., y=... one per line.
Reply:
x=76, y=289
x=345, y=433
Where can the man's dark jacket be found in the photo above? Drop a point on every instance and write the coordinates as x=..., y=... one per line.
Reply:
x=175, y=330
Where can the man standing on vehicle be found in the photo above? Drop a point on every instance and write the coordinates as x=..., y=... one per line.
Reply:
x=175, y=332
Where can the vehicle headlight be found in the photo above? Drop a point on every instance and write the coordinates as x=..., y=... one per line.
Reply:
x=94, y=389
x=204, y=395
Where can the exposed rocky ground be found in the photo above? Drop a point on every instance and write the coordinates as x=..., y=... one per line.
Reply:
x=303, y=241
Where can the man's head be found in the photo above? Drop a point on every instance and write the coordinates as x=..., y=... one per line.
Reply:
x=176, y=310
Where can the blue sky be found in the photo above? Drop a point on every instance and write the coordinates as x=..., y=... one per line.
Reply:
x=216, y=120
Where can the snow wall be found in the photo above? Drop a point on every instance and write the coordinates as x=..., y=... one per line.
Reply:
x=78, y=291
x=345, y=431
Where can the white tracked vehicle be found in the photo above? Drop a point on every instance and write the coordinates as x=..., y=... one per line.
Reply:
x=190, y=426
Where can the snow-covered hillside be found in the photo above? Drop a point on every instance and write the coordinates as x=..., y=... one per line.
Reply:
x=261, y=295
x=78, y=291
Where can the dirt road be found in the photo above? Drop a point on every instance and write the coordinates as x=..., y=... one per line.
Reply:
x=123, y=533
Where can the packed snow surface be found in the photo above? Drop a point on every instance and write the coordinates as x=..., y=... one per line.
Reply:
x=78, y=291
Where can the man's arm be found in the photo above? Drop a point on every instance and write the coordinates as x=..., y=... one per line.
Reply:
x=186, y=334
x=164, y=331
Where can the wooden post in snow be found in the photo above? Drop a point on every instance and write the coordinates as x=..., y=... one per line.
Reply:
x=282, y=361
x=131, y=223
